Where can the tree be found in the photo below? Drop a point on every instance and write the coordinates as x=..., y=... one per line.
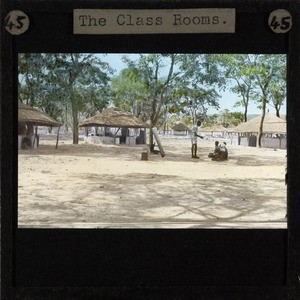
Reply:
x=259, y=78
x=35, y=86
x=75, y=72
x=58, y=81
x=228, y=118
x=267, y=70
x=160, y=84
x=153, y=74
x=130, y=93
x=196, y=102
x=239, y=73
x=211, y=120
x=278, y=96
x=199, y=83
x=278, y=86
x=31, y=78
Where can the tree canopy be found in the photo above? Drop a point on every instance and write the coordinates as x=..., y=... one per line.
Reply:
x=154, y=87
x=59, y=83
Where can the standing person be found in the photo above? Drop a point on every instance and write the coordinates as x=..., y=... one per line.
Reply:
x=194, y=135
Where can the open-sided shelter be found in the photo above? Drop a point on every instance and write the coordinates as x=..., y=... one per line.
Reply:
x=116, y=118
x=180, y=128
x=211, y=130
x=28, y=118
x=274, y=132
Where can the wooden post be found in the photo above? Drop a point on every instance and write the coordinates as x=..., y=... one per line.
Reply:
x=34, y=133
x=57, y=137
x=144, y=155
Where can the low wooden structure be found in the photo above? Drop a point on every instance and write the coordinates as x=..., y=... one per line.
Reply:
x=29, y=118
x=120, y=120
x=180, y=128
x=274, y=132
x=212, y=130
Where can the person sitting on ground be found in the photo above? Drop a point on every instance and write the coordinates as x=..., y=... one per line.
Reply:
x=224, y=151
x=220, y=153
x=216, y=151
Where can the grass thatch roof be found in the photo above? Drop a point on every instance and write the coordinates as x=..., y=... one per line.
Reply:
x=180, y=126
x=28, y=114
x=214, y=128
x=272, y=124
x=114, y=117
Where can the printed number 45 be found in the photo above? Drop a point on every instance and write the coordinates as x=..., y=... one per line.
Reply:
x=17, y=23
x=283, y=24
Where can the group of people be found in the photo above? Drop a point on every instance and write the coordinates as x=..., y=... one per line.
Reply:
x=220, y=153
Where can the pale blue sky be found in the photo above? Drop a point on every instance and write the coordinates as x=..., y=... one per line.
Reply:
x=226, y=101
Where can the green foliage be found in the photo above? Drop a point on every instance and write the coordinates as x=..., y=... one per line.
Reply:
x=158, y=88
x=225, y=118
x=59, y=83
x=252, y=78
x=129, y=93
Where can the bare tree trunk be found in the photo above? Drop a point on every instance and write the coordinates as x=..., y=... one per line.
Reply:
x=245, y=114
x=74, y=116
x=277, y=111
x=158, y=99
x=264, y=89
x=66, y=119
x=151, y=140
x=75, y=128
x=260, y=130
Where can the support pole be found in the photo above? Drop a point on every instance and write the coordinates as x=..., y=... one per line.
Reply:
x=57, y=138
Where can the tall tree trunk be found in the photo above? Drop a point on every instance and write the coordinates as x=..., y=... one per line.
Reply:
x=245, y=114
x=264, y=89
x=277, y=111
x=152, y=120
x=260, y=130
x=151, y=140
x=74, y=116
x=66, y=119
x=75, y=124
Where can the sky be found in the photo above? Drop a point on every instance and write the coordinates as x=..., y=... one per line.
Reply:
x=226, y=101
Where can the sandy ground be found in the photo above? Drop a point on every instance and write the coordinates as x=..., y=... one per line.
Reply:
x=109, y=186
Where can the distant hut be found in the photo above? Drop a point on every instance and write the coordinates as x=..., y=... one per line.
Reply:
x=121, y=121
x=180, y=128
x=213, y=130
x=274, y=132
x=29, y=119
x=166, y=129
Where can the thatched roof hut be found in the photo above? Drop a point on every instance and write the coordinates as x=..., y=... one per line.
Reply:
x=30, y=115
x=114, y=117
x=180, y=126
x=214, y=128
x=271, y=124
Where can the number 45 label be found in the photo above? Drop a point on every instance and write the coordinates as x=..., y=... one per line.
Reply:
x=16, y=22
x=280, y=21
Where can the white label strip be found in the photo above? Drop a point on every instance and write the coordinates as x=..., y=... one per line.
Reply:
x=138, y=21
